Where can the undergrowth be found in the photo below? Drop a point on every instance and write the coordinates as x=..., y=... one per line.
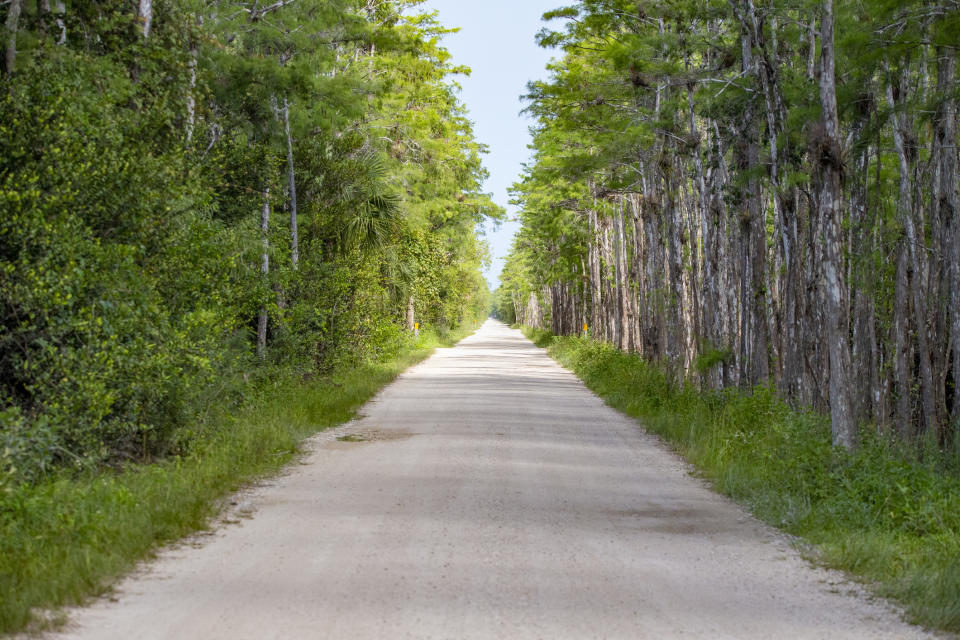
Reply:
x=885, y=514
x=68, y=536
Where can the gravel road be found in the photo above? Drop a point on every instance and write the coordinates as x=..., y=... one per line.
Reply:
x=487, y=494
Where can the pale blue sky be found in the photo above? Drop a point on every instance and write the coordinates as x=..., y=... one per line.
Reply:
x=496, y=40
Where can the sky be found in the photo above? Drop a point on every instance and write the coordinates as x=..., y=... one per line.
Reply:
x=496, y=40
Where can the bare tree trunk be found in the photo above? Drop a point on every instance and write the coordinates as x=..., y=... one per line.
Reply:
x=192, y=87
x=938, y=264
x=945, y=201
x=595, y=291
x=265, y=272
x=901, y=341
x=691, y=272
x=766, y=71
x=191, y=97
x=11, y=26
x=745, y=377
x=60, y=9
x=640, y=312
x=411, y=318
x=912, y=239
x=950, y=207
x=707, y=306
x=816, y=351
x=673, y=287
x=864, y=337
x=292, y=185
x=610, y=283
x=754, y=347
x=145, y=13
x=841, y=411
x=623, y=282
x=720, y=287
x=760, y=349
x=792, y=340
x=43, y=17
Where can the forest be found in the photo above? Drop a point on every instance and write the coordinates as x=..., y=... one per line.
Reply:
x=227, y=223
x=755, y=193
x=201, y=198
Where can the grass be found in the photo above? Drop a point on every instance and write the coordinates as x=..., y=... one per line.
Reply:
x=68, y=538
x=886, y=515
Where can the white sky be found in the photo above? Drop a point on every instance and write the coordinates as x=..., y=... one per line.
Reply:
x=496, y=41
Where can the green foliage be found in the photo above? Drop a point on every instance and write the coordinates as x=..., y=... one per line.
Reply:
x=106, y=339
x=132, y=179
x=883, y=513
x=710, y=358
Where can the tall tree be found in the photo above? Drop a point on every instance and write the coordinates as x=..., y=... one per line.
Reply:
x=831, y=211
x=784, y=226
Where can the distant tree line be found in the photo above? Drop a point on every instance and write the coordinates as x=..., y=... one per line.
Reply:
x=198, y=195
x=755, y=192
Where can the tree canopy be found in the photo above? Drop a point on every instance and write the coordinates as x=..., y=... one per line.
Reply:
x=754, y=192
x=199, y=195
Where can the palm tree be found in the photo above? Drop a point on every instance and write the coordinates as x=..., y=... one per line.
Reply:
x=371, y=208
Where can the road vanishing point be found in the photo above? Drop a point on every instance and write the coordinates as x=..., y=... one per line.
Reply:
x=486, y=493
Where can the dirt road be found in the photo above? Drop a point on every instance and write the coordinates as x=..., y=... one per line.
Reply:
x=487, y=494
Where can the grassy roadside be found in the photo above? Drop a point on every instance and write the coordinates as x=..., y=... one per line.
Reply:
x=882, y=514
x=68, y=538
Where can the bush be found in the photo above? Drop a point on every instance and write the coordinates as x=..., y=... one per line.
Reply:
x=117, y=298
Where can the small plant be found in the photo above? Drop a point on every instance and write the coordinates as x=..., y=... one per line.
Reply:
x=710, y=358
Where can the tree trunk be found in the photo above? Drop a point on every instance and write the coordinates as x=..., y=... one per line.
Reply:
x=673, y=288
x=864, y=349
x=707, y=306
x=754, y=346
x=901, y=342
x=812, y=50
x=60, y=9
x=841, y=413
x=862, y=324
x=640, y=312
x=691, y=272
x=43, y=17
x=950, y=207
x=901, y=129
x=292, y=185
x=265, y=272
x=411, y=317
x=594, y=262
x=623, y=286
x=11, y=26
x=145, y=13
x=765, y=68
x=191, y=95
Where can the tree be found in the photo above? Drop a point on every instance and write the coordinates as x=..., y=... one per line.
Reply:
x=703, y=192
x=142, y=161
x=831, y=208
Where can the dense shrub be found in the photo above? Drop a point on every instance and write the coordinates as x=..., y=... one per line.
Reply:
x=133, y=174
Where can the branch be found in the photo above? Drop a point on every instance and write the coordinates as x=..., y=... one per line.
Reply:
x=257, y=14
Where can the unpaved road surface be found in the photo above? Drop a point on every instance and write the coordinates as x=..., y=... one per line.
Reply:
x=491, y=496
